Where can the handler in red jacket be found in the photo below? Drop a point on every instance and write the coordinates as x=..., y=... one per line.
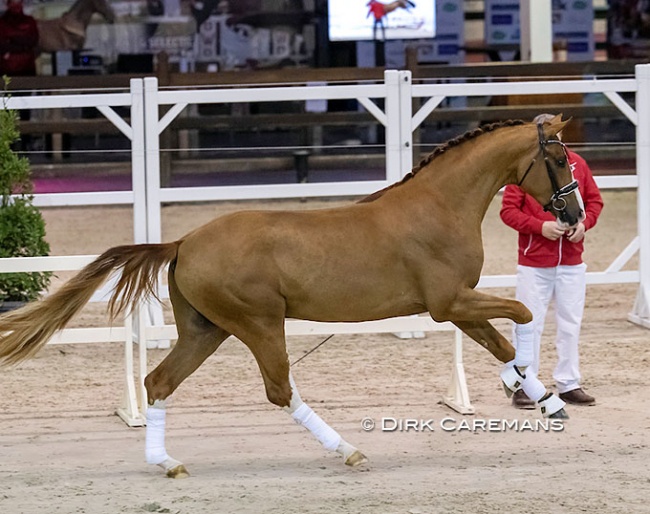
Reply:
x=550, y=267
x=18, y=40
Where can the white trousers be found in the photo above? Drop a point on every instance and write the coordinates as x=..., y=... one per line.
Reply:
x=566, y=287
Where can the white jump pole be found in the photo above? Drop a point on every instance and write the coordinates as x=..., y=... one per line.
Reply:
x=153, y=128
x=641, y=312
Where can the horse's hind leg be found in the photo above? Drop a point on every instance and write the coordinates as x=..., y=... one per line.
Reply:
x=270, y=353
x=514, y=375
x=328, y=437
x=198, y=338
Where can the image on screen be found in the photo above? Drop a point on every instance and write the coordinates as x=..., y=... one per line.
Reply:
x=363, y=20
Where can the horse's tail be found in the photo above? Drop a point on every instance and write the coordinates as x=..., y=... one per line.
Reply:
x=25, y=331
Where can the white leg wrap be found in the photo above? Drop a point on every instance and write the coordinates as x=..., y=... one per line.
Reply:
x=551, y=405
x=155, y=452
x=512, y=377
x=328, y=437
x=533, y=387
x=346, y=449
x=525, y=352
x=305, y=416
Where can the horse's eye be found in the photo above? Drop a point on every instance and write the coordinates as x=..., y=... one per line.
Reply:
x=561, y=163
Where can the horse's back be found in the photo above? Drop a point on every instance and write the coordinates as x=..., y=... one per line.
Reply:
x=54, y=36
x=315, y=264
x=256, y=238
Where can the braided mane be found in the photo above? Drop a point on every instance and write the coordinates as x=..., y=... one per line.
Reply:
x=471, y=134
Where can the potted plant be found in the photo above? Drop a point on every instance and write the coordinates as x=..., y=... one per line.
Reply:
x=22, y=228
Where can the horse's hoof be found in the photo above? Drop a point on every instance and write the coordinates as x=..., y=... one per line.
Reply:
x=511, y=379
x=561, y=414
x=356, y=459
x=178, y=472
x=507, y=390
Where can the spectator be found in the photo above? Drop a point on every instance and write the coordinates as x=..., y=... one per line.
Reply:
x=18, y=41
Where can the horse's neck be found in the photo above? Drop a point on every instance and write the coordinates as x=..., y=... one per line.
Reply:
x=468, y=177
x=81, y=12
x=72, y=25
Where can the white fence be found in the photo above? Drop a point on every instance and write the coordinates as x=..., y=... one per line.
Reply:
x=397, y=93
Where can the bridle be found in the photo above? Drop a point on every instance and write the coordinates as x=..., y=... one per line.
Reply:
x=557, y=200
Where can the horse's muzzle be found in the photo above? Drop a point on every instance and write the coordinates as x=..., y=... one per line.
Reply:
x=569, y=219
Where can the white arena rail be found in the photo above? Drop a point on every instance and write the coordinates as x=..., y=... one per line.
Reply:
x=400, y=122
x=398, y=92
x=104, y=102
x=134, y=395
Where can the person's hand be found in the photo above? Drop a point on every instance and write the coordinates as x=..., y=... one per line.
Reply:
x=577, y=233
x=551, y=230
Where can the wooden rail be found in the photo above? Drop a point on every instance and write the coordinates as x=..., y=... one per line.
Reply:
x=168, y=77
x=304, y=120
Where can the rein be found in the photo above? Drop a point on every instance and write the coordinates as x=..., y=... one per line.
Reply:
x=557, y=201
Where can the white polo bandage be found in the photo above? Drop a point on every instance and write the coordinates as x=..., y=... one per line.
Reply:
x=525, y=352
x=328, y=437
x=155, y=452
x=533, y=387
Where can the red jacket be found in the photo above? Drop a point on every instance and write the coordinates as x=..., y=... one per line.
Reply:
x=377, y=9
x=522, y=212
x=18, y=40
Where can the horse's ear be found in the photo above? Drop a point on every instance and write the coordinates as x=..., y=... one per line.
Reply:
x=555, y=126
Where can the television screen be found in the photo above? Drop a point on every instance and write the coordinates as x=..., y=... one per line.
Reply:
x=363, y=20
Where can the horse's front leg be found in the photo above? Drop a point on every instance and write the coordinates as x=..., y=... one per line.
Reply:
x=472, y=305
x=489, y=338
x=470, y=310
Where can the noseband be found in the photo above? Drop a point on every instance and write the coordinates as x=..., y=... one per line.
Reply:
x=557, y=201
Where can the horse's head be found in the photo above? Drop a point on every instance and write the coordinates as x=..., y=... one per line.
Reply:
x=103, y=7
x=547, y=176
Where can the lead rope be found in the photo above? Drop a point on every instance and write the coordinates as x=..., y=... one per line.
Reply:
x=301, y=358
x=313, y=349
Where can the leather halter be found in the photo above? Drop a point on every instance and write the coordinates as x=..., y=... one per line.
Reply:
x=557, y=201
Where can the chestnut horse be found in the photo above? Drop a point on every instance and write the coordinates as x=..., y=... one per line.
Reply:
x=69, y=31
x=411, y=248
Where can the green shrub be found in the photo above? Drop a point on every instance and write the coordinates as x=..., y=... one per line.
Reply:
x=22, y=228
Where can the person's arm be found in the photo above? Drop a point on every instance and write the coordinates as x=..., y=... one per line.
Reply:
x=513, y=215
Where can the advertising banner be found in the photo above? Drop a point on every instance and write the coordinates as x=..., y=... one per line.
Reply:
x=573, y=25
